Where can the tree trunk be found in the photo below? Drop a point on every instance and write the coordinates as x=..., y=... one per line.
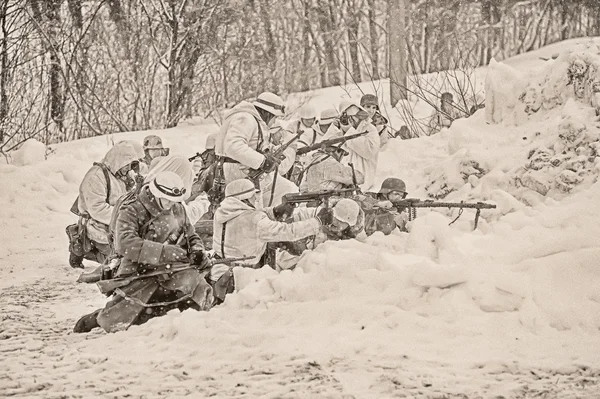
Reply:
x=305, y=76
x=564, y=17
x=4, y=70
x=352, y=30
x=333, y=73
x=57, y=99
x=397, y=48
x=374, y=40
x=271, y=53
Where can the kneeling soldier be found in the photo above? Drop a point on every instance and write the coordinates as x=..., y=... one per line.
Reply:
x=153, y=233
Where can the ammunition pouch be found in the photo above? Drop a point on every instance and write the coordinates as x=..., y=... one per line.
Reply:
x=79, y=242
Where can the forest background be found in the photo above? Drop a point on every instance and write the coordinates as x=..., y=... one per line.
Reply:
x=72, y=69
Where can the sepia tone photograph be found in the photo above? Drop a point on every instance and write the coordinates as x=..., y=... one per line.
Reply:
x=290, y=199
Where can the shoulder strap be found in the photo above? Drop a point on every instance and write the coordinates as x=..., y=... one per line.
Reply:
x=260, y=135
x=223, y=240
x=106, y=176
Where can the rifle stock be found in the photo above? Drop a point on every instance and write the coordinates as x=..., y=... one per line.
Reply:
x=330, y=142
x=254, y=174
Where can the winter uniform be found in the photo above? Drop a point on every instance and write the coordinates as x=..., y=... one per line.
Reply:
x=93, y=190
x=363, y=152
x=324, y=172
x=242, y=230
x=242, y=139
x=288, y=259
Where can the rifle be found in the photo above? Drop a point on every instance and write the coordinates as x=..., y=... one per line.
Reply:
x=354, y=180
x=299, y=198
x=255, y=174
x=329, y=142
x=107, y=286
x=194, y=157
x=412, y=203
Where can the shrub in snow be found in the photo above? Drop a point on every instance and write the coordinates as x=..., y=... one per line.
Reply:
x=570, y=161
x=453, y=174
x=30, y=153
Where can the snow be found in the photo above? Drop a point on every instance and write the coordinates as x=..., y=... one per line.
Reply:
x=509, y=310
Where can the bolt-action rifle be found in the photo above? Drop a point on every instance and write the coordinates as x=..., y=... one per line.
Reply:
x=107, y=286
x=411, y=205
x=194, y=157
x=321, y=196
x=330, y=142
x=255, y=174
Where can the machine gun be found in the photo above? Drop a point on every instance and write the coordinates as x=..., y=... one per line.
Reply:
x=315, y=197
x=255, y=174
x=330, y=142
x=411, y=205
x=107, y=286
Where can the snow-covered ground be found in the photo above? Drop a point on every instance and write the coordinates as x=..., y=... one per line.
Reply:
x=511, y=310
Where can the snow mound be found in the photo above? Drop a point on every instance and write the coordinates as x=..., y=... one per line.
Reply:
x=31, y=152
x=548, y=117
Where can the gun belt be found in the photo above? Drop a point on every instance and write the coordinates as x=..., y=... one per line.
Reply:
x=228, y=160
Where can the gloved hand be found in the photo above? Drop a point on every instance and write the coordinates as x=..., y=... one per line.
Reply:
x=270, y=163
x=325, y=216
x=198, y=257
x=385, y=204
x=282, y=211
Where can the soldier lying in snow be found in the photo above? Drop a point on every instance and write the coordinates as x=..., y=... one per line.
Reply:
x=242, y=230
x=153, y=232
x=347, y=222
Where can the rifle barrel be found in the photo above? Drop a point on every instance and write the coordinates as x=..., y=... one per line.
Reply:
x=329, y=142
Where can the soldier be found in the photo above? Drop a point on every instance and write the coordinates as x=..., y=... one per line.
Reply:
x=240, y=229
x=328, y=117
x=381, y=213
x=363, y=152
x=207, y=158
x=371, y=104
x=99, y=191
x=347, y=222
x=153, y=148
x=241, y=145
x=445, y=115
x=326, y=172
x=152, y=233
x=306, y=123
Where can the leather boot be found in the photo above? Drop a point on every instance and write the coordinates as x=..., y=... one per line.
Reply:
x=75, y=261
x=87, y=323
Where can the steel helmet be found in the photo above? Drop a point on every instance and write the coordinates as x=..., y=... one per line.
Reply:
x=168, y=185
x=271, y=103
x=392, y=184
x=241, y=189
x=369, y=99
x=353, y=109
x=211, y=141
x=346, y=210
x=308, y=112
x=328, y=116
x=153, y=142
